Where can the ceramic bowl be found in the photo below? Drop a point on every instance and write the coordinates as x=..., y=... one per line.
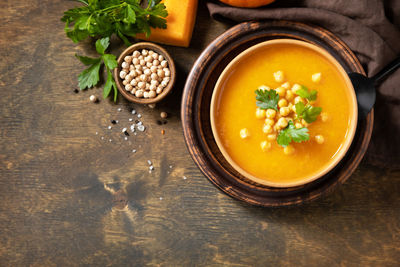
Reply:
x=351, y=128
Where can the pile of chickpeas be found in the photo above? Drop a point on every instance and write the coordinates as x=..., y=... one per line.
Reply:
x=145, y=73
x=274, y=121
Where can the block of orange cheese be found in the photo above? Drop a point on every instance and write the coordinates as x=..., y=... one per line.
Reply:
x=180, y=23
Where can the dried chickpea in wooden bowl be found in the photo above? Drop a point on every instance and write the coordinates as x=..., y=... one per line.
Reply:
x=145, y=73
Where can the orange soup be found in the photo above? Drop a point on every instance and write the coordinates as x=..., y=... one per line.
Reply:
x=239, y=130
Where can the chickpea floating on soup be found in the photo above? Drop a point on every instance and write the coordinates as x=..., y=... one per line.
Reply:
x=287, y=111
x=244, y=133
x=316, y=77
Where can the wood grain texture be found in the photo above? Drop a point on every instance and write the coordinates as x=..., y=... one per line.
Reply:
x=68, y=198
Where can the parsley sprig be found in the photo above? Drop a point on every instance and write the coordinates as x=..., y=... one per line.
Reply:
x=102, y=18
x=267, y=99
x=91, y=76
x=291, y=133
x=305, y=93
x=307, y=112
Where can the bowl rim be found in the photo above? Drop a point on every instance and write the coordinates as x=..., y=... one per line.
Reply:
x=159, y=50
x=338, y=155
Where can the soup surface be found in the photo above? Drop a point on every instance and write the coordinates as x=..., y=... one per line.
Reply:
x=236, y=105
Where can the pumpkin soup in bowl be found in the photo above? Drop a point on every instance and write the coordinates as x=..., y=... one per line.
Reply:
x=283, y=113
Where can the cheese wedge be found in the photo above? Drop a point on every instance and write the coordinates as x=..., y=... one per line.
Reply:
x=180, y=23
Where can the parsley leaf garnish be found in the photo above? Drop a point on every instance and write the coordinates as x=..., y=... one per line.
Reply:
x=91, y=76
x=291, y=133
x=307, y=112
x=305, y=93
x=267, y=99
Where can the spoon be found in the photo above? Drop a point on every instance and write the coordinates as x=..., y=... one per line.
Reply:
x=365, y=87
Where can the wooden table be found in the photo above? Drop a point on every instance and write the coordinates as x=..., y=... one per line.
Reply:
x=69, y=197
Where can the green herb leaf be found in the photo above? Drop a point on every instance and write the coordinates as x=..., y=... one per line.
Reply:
x=87, y=60
x=130, y=16
x=90, y=76
x=77, y=35
x=267, y=99
x=300, y=107
x=110, y=61
x=308, y=112
x=110, y=84
x=305, y=93
x=102, y=18
x=311, y=113
x=291, y=133
x=102, y=44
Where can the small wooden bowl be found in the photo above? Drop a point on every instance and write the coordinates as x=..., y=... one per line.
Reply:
x=129, y=51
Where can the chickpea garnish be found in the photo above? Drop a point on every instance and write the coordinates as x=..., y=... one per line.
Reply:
x=295, y=87
x=316, y=77
x=244, y=133
x=269, y=122
x=289, y=150
x=305, y=124
x=282, y=103
x=265, y=146
x=278, y=76
x=298, y=125
x=319, y=139
x=260, y=113
x=270, y=113
x=299, y=99
x=282, y=123
x=271, y=137
x=281, y=91
x=267, y=129
x=286, y=85
x=289, y=95
x=284, y=111
x=324, y=116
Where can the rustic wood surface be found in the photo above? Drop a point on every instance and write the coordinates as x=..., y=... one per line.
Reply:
x=69, y=198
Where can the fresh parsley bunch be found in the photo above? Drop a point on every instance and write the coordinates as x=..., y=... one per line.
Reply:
x=102, y=18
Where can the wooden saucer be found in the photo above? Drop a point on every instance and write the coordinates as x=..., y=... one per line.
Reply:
x=195, y=112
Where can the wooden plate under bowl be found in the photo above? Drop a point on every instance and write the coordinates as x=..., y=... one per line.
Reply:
x=195, y=112
x=160, y=51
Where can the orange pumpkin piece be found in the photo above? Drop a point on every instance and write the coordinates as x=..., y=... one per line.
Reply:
x=247, y=3
x=180, y=23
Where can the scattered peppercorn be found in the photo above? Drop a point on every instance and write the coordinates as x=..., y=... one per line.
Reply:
x=93, y=98
x=163, y=115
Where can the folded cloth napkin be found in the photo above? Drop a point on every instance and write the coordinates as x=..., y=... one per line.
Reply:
x=371, y=28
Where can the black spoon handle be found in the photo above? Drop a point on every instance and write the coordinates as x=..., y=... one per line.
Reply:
x=386, y=70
